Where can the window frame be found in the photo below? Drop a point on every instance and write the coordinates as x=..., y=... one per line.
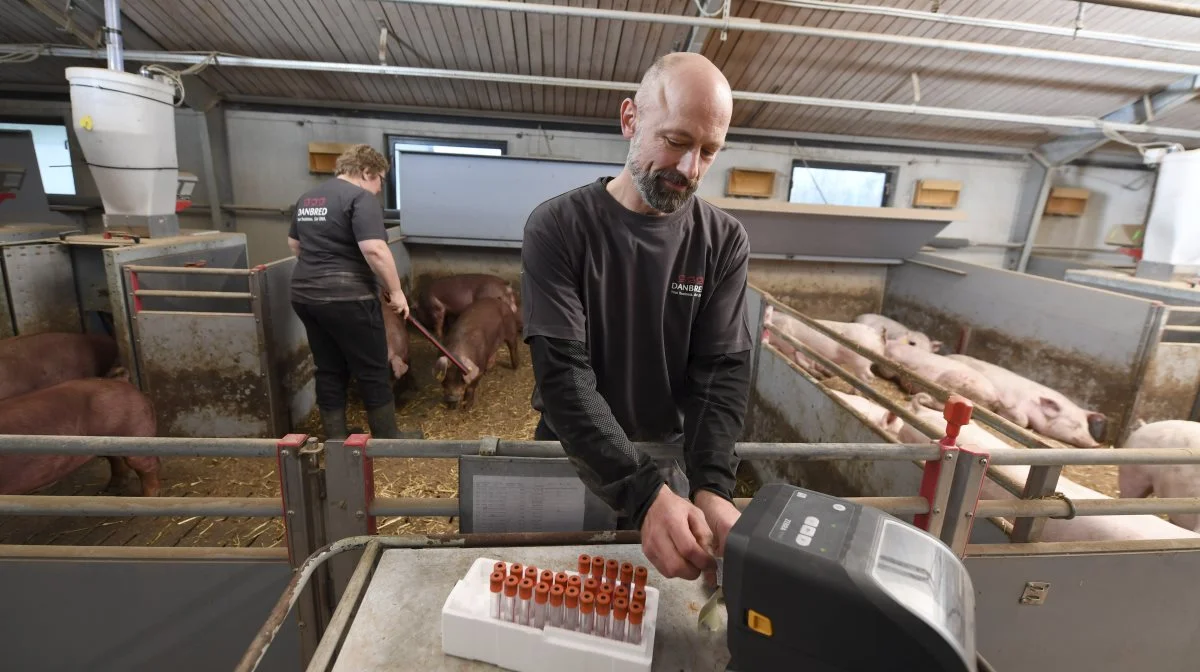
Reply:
x=889, y=172
x=392, y=139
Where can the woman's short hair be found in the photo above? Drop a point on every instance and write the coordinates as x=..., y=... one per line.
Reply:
x=359, y=159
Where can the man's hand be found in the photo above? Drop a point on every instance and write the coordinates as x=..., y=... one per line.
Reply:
x=676, y=538
x=720, y=514
x=398, y=303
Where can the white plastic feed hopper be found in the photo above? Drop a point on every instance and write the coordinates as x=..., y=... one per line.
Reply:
x=126, y=128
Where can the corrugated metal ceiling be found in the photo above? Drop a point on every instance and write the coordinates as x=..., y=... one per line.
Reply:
x=517, y=42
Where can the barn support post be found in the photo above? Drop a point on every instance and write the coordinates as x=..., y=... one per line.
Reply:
x=350, y=489
x=969, y=474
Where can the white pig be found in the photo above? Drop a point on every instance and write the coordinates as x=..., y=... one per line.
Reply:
x=1044, y=410
x=894, y=330
x=1081, y=528
x=952, y=375
x=1164, y=480
x=857, y=365
x=874, y=413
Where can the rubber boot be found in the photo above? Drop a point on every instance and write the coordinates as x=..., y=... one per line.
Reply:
x=382, y=421
x=333, y=421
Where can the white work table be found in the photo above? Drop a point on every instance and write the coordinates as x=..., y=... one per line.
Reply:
x=398, y=624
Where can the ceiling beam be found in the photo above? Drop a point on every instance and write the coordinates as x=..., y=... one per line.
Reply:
x=200, y=96
x=543, y=80
x=1144, y=110
x=1161, y=6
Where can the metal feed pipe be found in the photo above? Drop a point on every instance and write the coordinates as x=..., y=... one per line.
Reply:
x=541, y=80
x=112, y=35
x=985, y=22
x=1160, y=6
x=752, y=25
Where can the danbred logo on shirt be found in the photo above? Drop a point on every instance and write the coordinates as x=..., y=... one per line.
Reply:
x=688, y=285
x=311, y=208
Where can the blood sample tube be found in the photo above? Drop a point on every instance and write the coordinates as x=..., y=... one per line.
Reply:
x=619, y=614
x=546, y=577
x=531, y=573
x=634, y=634
x=571, y=613
x=587, y=617
x=626, y=574
x=560, y=579
x=496, y=587
x=557, y=592
x=576, y=580
x=638, y=597
x=501, y=567
x=611, y=570
x=585, y=563
x=606, y=589
x=523, y=604
x=622, y=591
x=639, y=576
x=603, y=602
x=541, y=595
x=597, y=567
x=591, y=585
x=508, y=605
x=517, y=569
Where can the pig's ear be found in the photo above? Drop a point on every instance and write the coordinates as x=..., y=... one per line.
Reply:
x=440, y=366
x=1050, y=407
x=472, y=371
x=936, y=345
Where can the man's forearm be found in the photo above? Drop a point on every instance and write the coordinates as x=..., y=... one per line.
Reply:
x=714, y=415
x=623, y=476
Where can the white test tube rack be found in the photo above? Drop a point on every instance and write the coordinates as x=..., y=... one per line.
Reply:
x=469, y=631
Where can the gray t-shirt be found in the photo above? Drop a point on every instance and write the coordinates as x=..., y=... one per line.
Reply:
x=644, y=293
x=330, y=220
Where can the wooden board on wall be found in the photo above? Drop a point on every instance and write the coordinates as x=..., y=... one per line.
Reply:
x=322, y=156
x=750, y=182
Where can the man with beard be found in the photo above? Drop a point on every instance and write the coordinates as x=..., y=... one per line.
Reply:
x=633, y=298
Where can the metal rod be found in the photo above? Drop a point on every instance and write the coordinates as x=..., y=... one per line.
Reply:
x=100, y=553
x=130, y=446
x=798, y=452
x=50, y=505
x=440, y=507
x=112, y=35
x=1182, y=328
x=188, y=270
x=750, y=25
x=1059, y=508
x=1060, y=547
x=183, y=294
x=1160, y=6
x=540, y=80
x=1001, y=24
x=1074, y=456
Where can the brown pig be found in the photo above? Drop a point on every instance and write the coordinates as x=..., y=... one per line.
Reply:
x=450, y=296
x=474, y=340
x=36, y=361
x=83, y=407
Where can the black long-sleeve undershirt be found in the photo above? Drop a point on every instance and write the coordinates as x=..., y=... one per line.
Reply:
x=626, y=478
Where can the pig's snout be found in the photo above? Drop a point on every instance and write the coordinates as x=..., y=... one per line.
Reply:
x=1097, y=425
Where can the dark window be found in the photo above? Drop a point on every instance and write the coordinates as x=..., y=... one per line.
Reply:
x=401, y=143
x=841, y=184
x=53, y=155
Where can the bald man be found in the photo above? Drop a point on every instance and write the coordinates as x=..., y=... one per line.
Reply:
x=633, y=298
